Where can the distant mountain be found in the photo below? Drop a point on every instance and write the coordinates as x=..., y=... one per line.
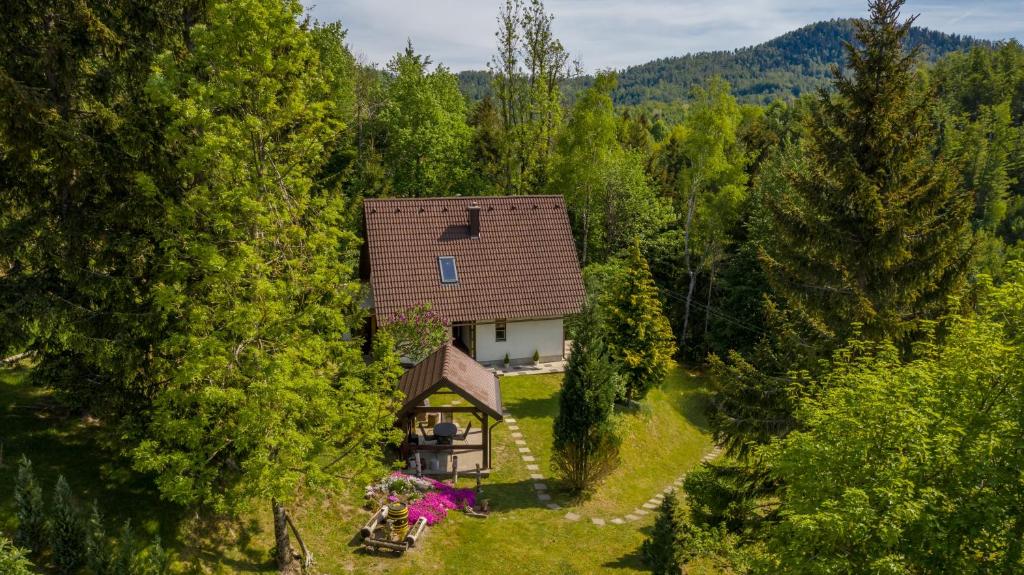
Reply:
x=786, y=67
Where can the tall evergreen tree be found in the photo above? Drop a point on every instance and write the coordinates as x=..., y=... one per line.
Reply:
x=80, y=219
x=28, y=501
x=67, y=531
x=873, y=224
x=585, y=443
x=660, y=550
x=639, y=337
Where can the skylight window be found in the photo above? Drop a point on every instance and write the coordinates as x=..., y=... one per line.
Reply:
x=449, y=274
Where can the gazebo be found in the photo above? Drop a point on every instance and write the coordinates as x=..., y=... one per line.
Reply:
x=450, y=402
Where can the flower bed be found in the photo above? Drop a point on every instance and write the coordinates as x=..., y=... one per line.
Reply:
x=427, y=498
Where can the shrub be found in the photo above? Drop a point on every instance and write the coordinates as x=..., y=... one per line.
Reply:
x=584, y=464
x=67, y=534
x=28, y=500
x=507, y=360
x=536, y=356
x=13, y=560
x=659, y=550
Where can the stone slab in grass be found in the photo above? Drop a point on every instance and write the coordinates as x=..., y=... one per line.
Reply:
x=540, y=486
x=543, y=496
x=572, y=516
x=650, y=505
x=618, y=521
x=536, y=476
x=509, y=420
x=554, y=506
x=520, y=442
x=524, y=450
x=513, y=428
x=597, y=521
x=529, y=458
x=640, y=512
x=533, y=467
x=632, y=517
x=517, y=435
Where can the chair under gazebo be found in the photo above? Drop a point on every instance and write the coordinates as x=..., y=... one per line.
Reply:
x=452, y=403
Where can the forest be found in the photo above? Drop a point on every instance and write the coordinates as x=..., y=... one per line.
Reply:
x=180, y=229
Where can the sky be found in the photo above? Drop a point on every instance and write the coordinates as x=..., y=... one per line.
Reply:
x=606, y=34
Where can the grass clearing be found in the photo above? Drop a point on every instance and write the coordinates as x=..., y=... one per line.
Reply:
x=661, y=440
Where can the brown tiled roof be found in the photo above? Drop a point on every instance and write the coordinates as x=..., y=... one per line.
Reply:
x=450, y=367
x=523, y=264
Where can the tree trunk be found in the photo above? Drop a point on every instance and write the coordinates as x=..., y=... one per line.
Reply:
x=307, y=557
x=690, y=209
x=285, y=557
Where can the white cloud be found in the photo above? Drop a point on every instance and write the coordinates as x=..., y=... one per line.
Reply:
x=616, y=34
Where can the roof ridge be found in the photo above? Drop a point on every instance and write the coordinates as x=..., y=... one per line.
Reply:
x=455, y=198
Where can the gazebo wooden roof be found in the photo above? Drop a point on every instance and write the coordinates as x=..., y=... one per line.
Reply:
x=450, y=368
x=450, y=371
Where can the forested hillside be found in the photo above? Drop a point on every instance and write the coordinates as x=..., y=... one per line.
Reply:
x=793, y=64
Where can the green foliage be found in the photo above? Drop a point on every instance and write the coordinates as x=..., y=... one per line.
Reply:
x=265, y=394
x=660, y=550
x=609, y=202
x=99, y=553
x=78, y=220
x=423, y=123
x=67, y=530
x=417, y=332
x=536, y=356
x=526, y=74
x=912, y=466
x=870, y=225
x=13, y=560
x=640, y=340
x=585, y=447
x=28, y=500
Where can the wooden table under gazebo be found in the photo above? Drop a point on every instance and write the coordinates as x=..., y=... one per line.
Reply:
x=445, y=385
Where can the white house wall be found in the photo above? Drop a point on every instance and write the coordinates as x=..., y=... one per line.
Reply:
x=522, y=338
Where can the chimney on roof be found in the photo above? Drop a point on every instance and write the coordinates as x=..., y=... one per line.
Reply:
x=474, y=220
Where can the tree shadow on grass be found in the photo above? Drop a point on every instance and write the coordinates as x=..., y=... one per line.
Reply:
x=634, y=559
x=691, y=399
x=533, y=408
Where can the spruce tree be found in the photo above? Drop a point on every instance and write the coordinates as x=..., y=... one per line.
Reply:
x=871, y=224
x=28, y=500
x=585, y=442
x=98, y=551
x=67, y=534
x=659, y=550
x=639, y=336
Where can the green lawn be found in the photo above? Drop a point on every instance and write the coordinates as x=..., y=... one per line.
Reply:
x=661, y=440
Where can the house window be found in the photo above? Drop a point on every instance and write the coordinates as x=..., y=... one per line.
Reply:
x=449, y=274
x=499, y=331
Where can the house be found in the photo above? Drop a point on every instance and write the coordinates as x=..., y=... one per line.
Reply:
x=501, y=270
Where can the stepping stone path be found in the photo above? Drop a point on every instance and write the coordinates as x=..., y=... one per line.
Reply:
x=541, y=489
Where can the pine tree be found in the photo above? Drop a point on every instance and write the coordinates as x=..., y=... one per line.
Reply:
x=872, y=226
x=28, y=501
x=67, y=534
x=659, y=550
x=585, y=442
x=639, y=336
x=98, y=551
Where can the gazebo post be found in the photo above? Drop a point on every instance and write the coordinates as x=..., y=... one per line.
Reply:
x=487, y=443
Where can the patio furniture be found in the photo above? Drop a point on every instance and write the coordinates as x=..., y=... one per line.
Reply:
x=445, y=432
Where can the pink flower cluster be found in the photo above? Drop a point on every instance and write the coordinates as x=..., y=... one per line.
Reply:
x=434, y=505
